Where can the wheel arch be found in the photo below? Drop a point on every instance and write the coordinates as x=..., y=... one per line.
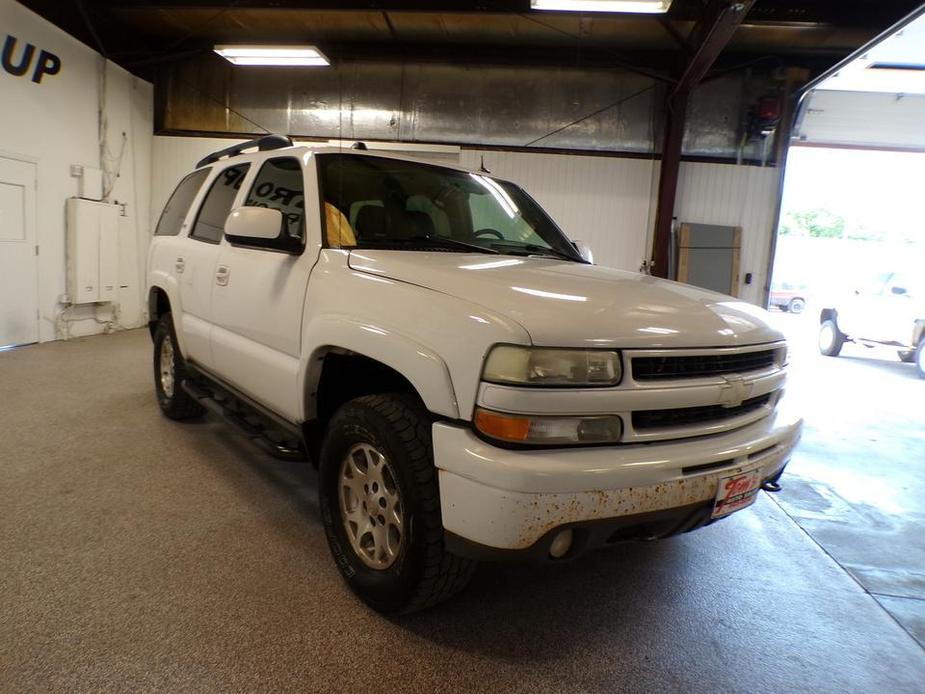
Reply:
x=828, y=314
x=161, y=301
x=918, y=332
x=386, y=358
x=158, y=305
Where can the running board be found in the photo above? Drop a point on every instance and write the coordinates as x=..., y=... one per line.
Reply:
x=256, y=433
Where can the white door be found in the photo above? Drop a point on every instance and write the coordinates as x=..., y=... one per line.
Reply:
x=258, y=298
x=196, y=259
x=19, y=321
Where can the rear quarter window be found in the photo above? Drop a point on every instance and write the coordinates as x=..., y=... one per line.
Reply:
x=178, y=205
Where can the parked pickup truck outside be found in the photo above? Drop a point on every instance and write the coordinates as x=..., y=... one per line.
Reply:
x=468, y=383
x=889, y=311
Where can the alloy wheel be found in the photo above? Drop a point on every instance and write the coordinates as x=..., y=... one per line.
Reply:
x=370, y=506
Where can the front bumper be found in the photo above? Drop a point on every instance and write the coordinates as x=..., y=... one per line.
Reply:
x=504, y=502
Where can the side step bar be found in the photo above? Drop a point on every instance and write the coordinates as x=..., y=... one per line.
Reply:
x=257, y=433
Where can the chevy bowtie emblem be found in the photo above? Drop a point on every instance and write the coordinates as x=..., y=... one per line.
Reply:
x=734, y=391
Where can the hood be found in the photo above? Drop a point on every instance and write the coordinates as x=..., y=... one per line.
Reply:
x=567, y=304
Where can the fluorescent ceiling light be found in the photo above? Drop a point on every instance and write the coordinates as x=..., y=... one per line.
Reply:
x=273, y=55
x=629, y=6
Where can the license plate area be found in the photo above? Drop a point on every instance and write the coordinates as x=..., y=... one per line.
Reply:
x=735, y=492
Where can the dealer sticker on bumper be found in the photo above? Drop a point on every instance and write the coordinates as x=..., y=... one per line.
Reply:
x=736, y=492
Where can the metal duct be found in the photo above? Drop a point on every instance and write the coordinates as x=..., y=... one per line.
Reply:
x=434, y=102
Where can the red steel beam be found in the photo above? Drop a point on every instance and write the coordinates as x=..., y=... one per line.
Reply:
x=710, y=36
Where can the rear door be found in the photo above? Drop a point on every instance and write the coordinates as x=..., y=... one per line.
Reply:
x=197, y=258
x=900, y=308
x=259, y=294
x=859, y=313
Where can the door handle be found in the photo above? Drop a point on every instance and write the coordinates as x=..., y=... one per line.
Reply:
x=179, y=265
x=222, y=274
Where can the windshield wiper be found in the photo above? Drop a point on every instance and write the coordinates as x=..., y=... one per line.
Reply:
x=444, y=242
x=534, y=249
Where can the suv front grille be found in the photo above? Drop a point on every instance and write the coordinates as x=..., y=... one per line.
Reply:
x=658, y=368
x=686, y=416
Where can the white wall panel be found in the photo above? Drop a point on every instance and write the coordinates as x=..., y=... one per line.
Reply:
x=55, y=123
x=601, y=200
x=732, y=195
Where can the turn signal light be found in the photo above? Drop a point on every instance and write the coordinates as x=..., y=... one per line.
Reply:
x=548, y=430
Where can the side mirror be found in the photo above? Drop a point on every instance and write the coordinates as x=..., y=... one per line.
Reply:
x=584, y=250
x=260, y=227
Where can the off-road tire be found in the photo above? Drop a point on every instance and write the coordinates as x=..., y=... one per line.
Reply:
x=830, y=343
x=179, y=404
x=423, y=573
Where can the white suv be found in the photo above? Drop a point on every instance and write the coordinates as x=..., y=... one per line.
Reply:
x=469, y=385
x=889, y=311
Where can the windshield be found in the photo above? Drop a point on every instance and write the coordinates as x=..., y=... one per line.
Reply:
x=375, y=202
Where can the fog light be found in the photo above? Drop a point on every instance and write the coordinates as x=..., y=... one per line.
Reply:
x=561, y=544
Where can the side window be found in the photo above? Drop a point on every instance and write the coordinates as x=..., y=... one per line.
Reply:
x=179, y=203
x=899, y=285
x=210, y=222
x=279, y=186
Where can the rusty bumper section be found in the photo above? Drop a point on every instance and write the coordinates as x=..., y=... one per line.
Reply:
x=600, y=533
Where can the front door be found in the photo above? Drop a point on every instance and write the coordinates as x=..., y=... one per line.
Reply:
x=19, y=322
x=258, y=299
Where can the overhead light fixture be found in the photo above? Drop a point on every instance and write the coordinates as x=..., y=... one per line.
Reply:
x=627, y=6
x=273, y=55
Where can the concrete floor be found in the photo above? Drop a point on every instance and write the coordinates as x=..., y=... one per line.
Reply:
x=857, y=484
x=140, y=554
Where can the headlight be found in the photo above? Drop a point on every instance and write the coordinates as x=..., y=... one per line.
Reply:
x=543, y=366
x=531, y=429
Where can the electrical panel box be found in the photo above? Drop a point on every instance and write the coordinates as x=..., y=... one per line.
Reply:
x=92, y=251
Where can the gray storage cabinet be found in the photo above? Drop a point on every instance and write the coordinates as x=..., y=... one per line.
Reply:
x=708, y=256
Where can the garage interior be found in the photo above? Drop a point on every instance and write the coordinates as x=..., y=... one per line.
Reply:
x=138, y=554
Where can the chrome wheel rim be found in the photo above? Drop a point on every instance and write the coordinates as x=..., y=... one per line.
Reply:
x=166, y=366
x=826, y=337
x=370, y=506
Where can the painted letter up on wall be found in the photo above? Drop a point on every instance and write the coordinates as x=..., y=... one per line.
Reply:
x=47, y=64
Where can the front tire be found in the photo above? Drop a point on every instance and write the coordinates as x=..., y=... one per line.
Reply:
x=381, y=506
x=831, y=339
x=169, y=372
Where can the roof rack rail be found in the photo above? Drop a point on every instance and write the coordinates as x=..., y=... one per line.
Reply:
x=267, y=142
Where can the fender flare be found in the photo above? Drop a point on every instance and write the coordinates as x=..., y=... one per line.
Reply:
x=423, y=367
x=168, y=285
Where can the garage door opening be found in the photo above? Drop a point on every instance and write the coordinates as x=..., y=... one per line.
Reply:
x=848, y=289
x=851, y=239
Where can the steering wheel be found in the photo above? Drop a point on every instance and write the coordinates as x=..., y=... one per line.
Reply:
x=490, y=232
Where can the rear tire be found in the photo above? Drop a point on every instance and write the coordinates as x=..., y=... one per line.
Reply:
x=381, y=506
x=831, y=339
x=796, y=305
x=169, y=372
